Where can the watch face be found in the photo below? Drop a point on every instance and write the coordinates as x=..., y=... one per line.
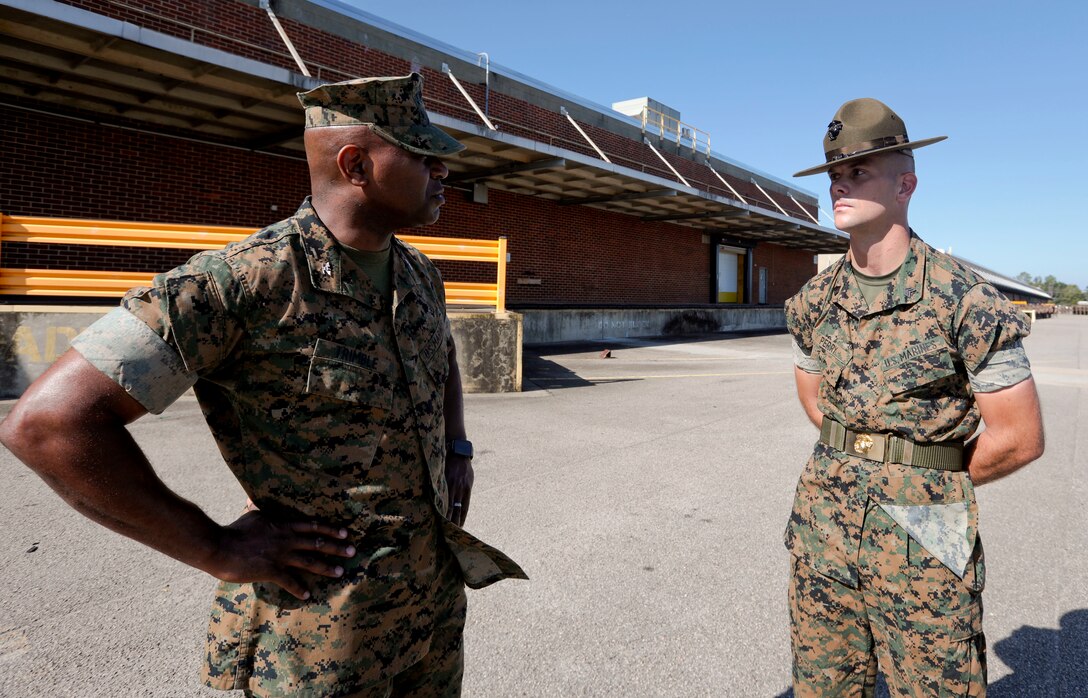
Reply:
x=460, y=447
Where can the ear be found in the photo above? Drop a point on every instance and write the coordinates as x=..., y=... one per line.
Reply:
x=352, y=162
x=908, y=182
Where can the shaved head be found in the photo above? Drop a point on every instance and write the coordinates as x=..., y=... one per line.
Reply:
x=359, y=181
x=323, y=145
x=902, y=161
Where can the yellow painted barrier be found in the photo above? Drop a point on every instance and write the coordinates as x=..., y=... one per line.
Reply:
x=74, y=231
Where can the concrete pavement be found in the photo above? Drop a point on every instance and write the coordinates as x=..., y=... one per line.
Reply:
x=644, y=494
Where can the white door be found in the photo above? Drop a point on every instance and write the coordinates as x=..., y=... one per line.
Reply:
x=730, y=274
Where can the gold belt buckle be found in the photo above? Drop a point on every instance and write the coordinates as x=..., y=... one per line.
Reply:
x=863, y=443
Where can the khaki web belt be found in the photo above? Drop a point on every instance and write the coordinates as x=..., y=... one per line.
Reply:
x=888, y=448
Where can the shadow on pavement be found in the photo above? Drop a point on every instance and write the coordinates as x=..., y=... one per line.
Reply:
x=542, y=374
x=597, y=345
x=1029, y=652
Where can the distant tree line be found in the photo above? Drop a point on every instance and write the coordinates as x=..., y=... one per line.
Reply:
x=1063, y=294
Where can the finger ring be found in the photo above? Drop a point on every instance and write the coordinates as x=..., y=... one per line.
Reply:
x=457, y=504
x=318, y=543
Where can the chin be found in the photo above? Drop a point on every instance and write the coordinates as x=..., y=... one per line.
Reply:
x=848, y=223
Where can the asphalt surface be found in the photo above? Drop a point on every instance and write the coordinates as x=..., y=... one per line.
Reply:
x=645, y=494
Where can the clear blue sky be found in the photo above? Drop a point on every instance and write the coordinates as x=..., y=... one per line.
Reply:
x=1007, y=82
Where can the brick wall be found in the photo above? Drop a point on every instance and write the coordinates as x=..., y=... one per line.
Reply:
x=787, y=270
x=584, y=255
x=73, y=169
x=54, y=166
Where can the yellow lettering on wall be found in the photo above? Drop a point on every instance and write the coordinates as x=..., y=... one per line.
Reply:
x=51, y=351
x=25, y=345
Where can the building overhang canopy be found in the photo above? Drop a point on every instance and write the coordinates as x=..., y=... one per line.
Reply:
x=68, y=61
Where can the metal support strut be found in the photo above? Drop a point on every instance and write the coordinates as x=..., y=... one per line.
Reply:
x=770, y=198
x=814, y=220
x=483, y=117
x=667, y=163
x=727, y=184
x=266, y=5
x=564, y=112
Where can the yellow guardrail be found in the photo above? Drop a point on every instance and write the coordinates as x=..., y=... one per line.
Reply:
x=74, y=231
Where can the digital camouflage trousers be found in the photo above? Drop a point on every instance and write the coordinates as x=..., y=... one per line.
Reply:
x=438, y=674
x=911, y=618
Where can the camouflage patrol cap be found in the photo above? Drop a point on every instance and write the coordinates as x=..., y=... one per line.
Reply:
x=392, y=107
x=862, y=127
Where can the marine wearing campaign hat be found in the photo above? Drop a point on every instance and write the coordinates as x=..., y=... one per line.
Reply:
x=900, y=353
x=864, y=127
x=392, y=107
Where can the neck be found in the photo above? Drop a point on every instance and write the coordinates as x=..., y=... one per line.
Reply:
x=346, y=219
x=879, y=254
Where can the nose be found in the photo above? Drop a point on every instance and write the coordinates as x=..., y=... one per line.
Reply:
x=439, y=169
x=838, y=187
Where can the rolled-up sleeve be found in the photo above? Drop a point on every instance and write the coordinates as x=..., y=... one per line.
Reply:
x=163, y=338
x=136, y=358
x=805, y=361
x=1001, y=369
x=798, y=326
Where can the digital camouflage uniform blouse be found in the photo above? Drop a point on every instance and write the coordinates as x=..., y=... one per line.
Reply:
x=326, y=403
x=900, y=367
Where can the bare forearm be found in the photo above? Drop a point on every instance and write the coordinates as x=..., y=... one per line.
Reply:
x=993, y=456
x=814, y=414
x=70, y=428
x=808, y=388
x=459, y=474
x=1013, y=436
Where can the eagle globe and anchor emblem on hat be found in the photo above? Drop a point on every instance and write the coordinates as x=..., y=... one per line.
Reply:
x=864, y=127
x=391, y=106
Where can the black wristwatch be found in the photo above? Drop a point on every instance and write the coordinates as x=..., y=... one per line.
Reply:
x=459, y=447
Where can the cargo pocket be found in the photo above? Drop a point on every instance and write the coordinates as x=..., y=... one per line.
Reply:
x=922, y=561
x=939, y=528
x=347, y=374
x=935, y=510
x=946, y=652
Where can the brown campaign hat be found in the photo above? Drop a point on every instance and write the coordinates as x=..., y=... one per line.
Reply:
x=862, y=127
x=392, y=107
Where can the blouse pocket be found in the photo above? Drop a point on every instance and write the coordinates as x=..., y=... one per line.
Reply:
x=920, y=374
x=435, y=357
x=835, y=351
x=342, y=373
x=338, y=423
